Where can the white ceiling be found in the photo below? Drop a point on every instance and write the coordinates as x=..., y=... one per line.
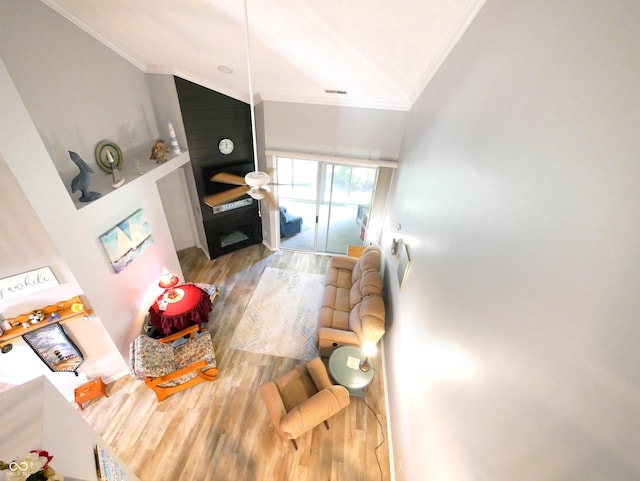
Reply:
x=381, y=52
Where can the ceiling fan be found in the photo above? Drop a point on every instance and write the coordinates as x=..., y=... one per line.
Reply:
x=256, y=184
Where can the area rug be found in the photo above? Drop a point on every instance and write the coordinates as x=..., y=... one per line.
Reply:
x=281, y=316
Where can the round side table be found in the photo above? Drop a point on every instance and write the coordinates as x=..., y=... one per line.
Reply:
x=344, y=367
x=192, y=308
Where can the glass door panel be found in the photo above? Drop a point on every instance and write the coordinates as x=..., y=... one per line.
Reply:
x=345, y=202
x=297, y=179
x=297, y=193
x=326, y=185
x=333, y=200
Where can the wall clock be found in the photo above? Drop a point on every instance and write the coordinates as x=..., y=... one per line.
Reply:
x=225, y=146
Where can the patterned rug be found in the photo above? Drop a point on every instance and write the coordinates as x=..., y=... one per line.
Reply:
x=281, y=316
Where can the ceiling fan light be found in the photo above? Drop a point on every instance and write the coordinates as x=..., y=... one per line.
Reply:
x=257, y=194
x=257, y=179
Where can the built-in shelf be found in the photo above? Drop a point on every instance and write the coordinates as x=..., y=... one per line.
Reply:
x=102, y=182
x=61, y=312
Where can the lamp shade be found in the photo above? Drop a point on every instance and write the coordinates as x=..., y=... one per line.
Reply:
x=167, y=279
x=369, y=348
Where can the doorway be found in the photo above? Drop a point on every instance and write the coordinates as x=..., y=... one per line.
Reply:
x=324, y=206
x=174, y=195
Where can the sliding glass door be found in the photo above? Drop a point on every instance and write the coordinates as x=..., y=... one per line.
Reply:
x=333, y=201
x=297, y=194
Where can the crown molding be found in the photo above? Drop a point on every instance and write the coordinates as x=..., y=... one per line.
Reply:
x=136, y=61
x=471, y=13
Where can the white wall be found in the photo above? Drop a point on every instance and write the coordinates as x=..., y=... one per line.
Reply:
x=77, y=91
x=512, y=350
x=88, y=94
x=21, y=150
x=329, y=130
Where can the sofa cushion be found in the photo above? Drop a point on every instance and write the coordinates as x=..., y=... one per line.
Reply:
x=340, y=272
x=336, y=298
x=368, y=284
x=199, y=348
x=295, y=387
x=369, y=260
x=191, y=352
x=150, y=358
x=355, y=322
x=334, y=318
x=367, y=319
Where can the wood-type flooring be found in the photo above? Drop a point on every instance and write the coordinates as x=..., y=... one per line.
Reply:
x=220, y=430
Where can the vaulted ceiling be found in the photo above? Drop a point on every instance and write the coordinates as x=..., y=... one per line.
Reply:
x=381, y=53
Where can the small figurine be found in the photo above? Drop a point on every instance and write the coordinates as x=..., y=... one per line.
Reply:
x=157, y=152
x=36, y=316
x=81, y=181
x=174, y=141
x=115, y=173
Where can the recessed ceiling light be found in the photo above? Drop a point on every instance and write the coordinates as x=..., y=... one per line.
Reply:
x=333, y=91
x=225, y=69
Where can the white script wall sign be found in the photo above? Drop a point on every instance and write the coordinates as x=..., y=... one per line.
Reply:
x=26, y=283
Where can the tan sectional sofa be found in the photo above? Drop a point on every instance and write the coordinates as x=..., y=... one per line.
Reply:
x=352, y=309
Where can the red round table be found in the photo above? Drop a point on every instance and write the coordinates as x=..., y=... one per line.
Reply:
x=192, y=308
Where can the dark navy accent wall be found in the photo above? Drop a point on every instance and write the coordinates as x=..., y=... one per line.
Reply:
x=208, y=117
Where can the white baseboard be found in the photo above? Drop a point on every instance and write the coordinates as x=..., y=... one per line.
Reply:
x=119, y=375
x=268, y=246
x=392, y=470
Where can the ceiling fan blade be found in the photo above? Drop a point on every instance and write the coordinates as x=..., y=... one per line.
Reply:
x=226, y=178
x=263, y=194
x=269, y=201
x=226, y=196
x=271, y=171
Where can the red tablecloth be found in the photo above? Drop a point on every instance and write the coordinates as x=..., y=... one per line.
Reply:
x=193, y=308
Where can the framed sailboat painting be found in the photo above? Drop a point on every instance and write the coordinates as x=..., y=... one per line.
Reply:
x=125, y=241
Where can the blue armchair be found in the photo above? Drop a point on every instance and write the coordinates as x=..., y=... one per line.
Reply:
x=290, y=225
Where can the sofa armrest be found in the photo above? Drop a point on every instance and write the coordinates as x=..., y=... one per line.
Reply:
x=157, y=381
x=318, y=408
x=372, y=329
x=319, y=374
x=343, y=262
x=329, y=339
x=330, y=335
x=177, y=335
x=275, y=407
